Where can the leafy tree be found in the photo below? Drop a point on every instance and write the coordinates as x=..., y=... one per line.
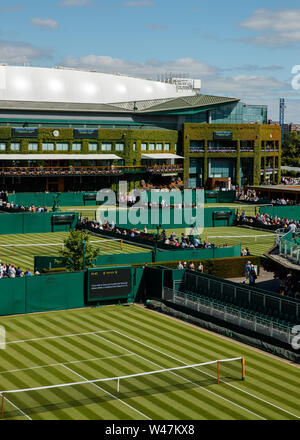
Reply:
x=73, y=249
x=291, y=149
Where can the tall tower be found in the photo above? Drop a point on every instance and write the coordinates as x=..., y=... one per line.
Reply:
x=281, y=117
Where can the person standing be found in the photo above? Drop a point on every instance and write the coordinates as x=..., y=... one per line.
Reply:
x=200, y=267
x=252, y=275
x=247, y=271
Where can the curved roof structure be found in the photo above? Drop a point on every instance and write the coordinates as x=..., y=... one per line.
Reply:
x=39, y=84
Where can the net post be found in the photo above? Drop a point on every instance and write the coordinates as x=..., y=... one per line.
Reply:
x=2, y=405
x=121, y=244
x=218, y=368
x=118, y=386
x=243, y=369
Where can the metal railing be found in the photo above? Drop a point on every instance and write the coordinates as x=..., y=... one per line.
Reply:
x=289, y=247
x=229, y=314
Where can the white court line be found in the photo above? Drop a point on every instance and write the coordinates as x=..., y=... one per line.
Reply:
x=19, y=409
x=64, y=363
x=107, y=392
x=176, y=374
x=58, y=336
x=229, y=384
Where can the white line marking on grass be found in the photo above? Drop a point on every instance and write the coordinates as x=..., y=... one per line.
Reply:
x=107, y=392
x=65, y=363
x=176, y=374
x=22, y=412
x=229, y=384
x=58, y=336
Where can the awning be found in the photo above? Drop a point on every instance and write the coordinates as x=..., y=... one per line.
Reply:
x=161, y=156
x=59, y=157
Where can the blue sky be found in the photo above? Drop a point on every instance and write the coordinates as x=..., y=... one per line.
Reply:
x=236, y=49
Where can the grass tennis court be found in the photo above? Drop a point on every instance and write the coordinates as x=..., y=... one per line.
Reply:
x=20, y=249
x=59, y=347
x=258, y=242
x=89, y=211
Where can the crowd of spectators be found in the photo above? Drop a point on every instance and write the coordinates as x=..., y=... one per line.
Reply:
x=253, y=196
x=183, y=242
x=290, y=180
x=249, y=196
x=290, y=286
x=190, y=266
x=267, y=220
x=12, y=207
x=11, y=271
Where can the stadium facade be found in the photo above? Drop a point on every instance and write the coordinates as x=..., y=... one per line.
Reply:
x=68, y=130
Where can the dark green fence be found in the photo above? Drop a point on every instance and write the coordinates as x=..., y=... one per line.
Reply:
x=289, y=212
x=42, y=263
x=41, y=293
x=170, y=218
x=47, y=199
x=37, y=222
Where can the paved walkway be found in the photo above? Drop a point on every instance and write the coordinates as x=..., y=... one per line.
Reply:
x=264, y=281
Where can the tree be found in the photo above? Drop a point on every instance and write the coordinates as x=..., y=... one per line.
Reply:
x=77, y=250
x=291, y=149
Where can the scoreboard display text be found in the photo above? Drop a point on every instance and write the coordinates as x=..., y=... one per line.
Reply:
x=109, y=283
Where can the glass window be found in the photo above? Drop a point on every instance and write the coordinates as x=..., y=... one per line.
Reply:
x=167, y=147
x=93, y=147
x=62, y=147
x=15, y=146
x=33, y=146
x=76, y=146
x=151, y=147
x=47, y=146
x=134, y=147
x=106, y=146
x=120, y=146
x=143, y=146
x=159, y=147
x=2, y=146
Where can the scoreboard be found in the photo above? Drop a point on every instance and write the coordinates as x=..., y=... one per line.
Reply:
x=109, y=283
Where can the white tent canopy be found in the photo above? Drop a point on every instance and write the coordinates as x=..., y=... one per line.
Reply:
x=161, y=156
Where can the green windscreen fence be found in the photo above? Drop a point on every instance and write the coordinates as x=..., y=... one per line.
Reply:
x=169, y=218
x=89, y=198
x=48, y=199
x=41, y=293
x=37, y=222
x=289, y=212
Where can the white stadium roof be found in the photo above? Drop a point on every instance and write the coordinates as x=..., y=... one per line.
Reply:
x=40, y=84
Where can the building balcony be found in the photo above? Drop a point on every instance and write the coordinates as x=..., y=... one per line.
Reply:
x=247, y=150
x=221, y=150
x=164, y=169
x=69, y=171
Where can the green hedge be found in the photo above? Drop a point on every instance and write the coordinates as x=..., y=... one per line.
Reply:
x=220, y=267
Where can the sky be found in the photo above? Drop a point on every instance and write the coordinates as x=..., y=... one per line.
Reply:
x=247, y=50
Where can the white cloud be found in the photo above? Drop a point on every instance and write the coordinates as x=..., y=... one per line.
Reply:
x=71, y=3
x=17, y=52
x=276, y=28
x=11, y=8
x=138, y=3
x=150, y=68
x=44, y=23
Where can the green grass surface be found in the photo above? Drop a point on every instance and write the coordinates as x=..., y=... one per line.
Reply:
x=90, y=211
x=258, y=242
x=61, y=347
x=20, y=249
